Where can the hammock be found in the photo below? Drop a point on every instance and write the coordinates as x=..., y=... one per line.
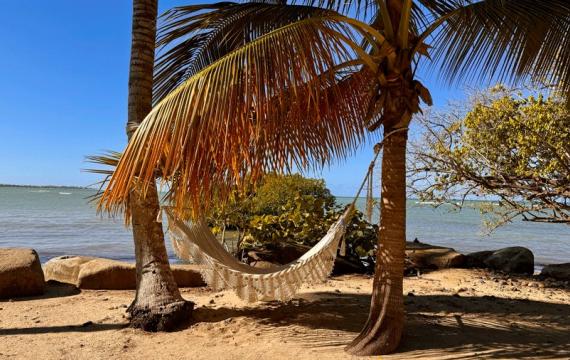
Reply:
x=195, y=241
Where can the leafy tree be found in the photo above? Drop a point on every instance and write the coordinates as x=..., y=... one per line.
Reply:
x=255, y=87
x=508, y=145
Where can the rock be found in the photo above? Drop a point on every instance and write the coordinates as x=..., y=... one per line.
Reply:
x=557, y=271
x=476, y=259
x=517, y=259
x=65, y=269
x=425, y=256
x=348, y=265
x=108, y=274
x=187, y=275
x=514, y=260
x=99, y=273
x=20, y=273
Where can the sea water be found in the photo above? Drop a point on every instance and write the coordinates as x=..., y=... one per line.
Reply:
x=63, y=221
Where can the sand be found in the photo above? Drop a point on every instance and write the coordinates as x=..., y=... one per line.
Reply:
x=451, y=314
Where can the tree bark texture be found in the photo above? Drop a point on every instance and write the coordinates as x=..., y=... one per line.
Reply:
x=385, y=324
x=158, y=305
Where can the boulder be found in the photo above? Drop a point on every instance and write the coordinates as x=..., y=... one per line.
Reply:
x=425, y=256
x=187, y=275
x=477, y=259
x=99, y=273
x=106, y=274
x=20, y=273
x=65, y=269
x=557, y=271
x=516, y=260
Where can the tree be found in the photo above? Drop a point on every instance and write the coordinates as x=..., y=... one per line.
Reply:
x=507, y=145
x=246, y=89
x=158, y=304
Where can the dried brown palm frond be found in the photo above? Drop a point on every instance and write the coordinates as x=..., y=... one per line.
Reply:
x=109, y=159
x=296, y=96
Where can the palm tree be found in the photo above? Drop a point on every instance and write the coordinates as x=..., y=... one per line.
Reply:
x=158, y=304
x=248, y=88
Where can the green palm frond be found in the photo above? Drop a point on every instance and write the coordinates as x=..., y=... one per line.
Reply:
x=503, y=40
x=360, y=9
x=297, y=96
x=193, y=37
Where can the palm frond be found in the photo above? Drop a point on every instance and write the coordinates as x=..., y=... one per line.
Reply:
x=292, y=97
x=508, y=40
x=361, y=9
x=193, y=37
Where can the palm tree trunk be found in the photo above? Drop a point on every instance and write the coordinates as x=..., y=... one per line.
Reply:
x=384, y=327
x=158, y=305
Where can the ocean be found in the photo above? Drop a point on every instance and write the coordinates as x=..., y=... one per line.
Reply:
x=62, y=221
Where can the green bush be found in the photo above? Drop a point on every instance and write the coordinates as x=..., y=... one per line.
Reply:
x=277, y=191
x=291, y=209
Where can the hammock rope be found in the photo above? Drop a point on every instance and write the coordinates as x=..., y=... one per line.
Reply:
x=194, y=241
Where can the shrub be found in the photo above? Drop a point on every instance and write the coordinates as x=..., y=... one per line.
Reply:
x=291, y=209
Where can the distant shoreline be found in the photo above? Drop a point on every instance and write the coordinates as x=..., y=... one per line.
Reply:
x=94, y=188
x=47, y=186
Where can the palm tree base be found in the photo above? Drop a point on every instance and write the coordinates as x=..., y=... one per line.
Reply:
x=160, y=318
x=379, y=337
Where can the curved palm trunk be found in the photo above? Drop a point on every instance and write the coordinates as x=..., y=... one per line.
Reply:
x=158, y=304
x=384, y=327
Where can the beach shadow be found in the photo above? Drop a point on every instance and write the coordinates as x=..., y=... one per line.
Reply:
x=53, y=289
x=486, y=327
x=459, y=327
x=87, y=327
x=333, y=310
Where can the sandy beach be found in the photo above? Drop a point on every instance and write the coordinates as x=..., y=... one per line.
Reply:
x=451, y=314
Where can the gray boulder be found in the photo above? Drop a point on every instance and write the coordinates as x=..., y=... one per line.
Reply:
x=477, y=259
x=20, y=273
x=425, y=256
x=514, y=260
x=557, y=271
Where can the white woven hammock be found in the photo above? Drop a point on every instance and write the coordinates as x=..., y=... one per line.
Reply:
x=195, y=241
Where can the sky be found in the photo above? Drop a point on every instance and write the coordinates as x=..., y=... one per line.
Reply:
x=63, y=92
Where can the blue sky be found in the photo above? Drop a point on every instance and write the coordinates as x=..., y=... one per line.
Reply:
x=63, y=91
